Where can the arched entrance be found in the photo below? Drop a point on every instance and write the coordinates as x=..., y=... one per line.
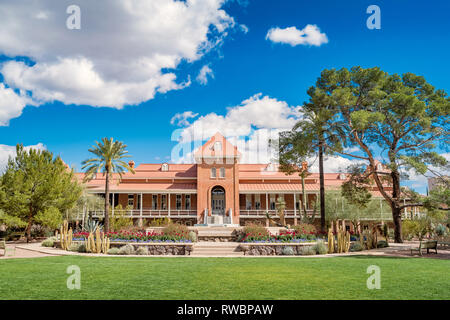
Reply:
x=218, y=201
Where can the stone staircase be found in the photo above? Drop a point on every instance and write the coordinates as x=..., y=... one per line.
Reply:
x=216, y=234
x=216, y=249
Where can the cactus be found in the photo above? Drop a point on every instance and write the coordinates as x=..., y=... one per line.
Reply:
x=97, y=244
x=66, y=236
x=343, y=240
x=330, y=241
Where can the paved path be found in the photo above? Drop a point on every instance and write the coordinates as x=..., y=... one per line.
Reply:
x=35, y=250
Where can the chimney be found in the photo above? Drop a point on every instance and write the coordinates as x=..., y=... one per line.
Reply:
x=131, y=164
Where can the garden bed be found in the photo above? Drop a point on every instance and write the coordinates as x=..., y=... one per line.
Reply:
x=274, y=249
x=154, y=248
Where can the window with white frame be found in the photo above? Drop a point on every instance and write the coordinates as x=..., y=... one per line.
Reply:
x=163, y=202
x=218, y=146
x=187, y=202
x=178, y=202
x=257, y=201
x=165, y=167
x=222, y=172
x=248, y=202
x=213, y=172
x=155, y=202
x=131, y=200
x=297, y=202
x=272, y=202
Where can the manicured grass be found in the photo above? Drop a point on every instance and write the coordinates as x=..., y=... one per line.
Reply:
x=224, y=278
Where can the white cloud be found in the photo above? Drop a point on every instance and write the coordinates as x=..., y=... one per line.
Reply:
x=248, y=125
x=334, y=164
x=202, y=77
x=11, y=104
x=10, y=151
x=310, y=35
x=124, y=53
x=181, y=119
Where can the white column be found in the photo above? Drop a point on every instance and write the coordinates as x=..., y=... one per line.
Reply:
x=168, y=203
x=112, y=204
x=295, y=206
x=140, y=205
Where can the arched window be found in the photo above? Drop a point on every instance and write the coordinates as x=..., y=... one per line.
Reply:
x=165, y=167
x=213, y=172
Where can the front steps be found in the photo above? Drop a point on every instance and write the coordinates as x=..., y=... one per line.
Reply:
x=217, y=233
x=216, y=249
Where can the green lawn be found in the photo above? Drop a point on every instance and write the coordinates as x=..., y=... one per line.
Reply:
x=224, y=278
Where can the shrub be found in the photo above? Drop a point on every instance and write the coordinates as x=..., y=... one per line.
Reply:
x=142, y=251
x=254, y=231
x=305, y=228
x=288, y=251
x=320, y=247
x=382, y=244
x=440, y=230
x=355, y=246
x=176, y=230
x=74, y=247
x=113, y=251
x=120, y=220
x=160, y=222
x=82, y=248
x=308, y=251
x=192, y=236
x=126, y=249
x=49, y=242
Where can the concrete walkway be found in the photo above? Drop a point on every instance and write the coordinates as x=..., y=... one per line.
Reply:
x=221, y=249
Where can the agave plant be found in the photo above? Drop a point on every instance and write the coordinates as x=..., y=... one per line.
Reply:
x=92, y=226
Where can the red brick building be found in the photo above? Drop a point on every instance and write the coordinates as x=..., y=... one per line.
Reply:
x=217, y=189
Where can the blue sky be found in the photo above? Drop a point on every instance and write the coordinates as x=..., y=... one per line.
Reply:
x=414, y=37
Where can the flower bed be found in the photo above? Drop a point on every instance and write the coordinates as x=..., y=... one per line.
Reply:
x=139, y=237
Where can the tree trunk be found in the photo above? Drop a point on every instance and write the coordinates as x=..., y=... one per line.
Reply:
x=28, y=231
x=397, y=217
x=30, y=222
x=106, y=224
x=396, y=212
x=322, y=188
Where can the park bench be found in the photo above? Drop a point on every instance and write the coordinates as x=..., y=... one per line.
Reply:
x=430, y=244
x=4, y=248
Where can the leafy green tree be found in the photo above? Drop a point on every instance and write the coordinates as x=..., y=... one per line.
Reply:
x=310, y=136
x=401, y=120
x=109, y=159
x=340, y=208
x=36, y=187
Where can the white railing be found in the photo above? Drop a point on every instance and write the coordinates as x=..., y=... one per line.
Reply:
x=144, y=213
x=273, y=213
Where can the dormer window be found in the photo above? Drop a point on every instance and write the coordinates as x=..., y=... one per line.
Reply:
x=270, y=167
x=342, y=176
x=379, y=167
x=217, y=146
x=165, y=167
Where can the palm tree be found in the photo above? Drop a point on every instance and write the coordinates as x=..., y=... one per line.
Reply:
x=108, y=160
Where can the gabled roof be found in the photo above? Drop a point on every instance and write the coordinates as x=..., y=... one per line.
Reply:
x=217, y=147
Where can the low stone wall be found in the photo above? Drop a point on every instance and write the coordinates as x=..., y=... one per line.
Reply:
x=154, y=248
x=176, y=249
x=271, y=249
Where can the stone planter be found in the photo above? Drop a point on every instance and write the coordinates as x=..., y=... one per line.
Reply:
x=272, y=249
x=154, y=248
